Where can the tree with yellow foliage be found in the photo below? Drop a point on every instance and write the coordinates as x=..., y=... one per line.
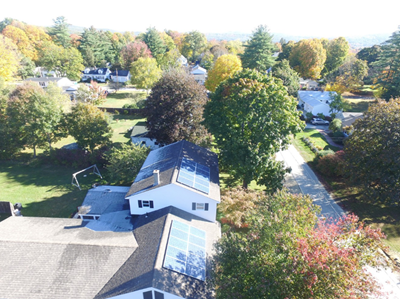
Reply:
x=308, y=58
x=9, y=58
x=21, y=40
x=224, y=68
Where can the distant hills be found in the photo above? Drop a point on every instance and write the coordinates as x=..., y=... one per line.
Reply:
x=355, y=42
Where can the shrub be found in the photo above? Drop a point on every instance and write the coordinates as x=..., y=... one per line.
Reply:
x=332, y=165
x=309, y=116
x=321, y=115
x=335, y=125
x=77, y=158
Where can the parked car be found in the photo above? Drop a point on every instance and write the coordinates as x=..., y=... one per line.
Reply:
x=319, y=121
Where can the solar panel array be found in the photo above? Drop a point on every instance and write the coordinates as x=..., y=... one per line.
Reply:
x=186, y=252
x=194, y=175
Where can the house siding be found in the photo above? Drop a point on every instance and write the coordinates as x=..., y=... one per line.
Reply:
x=175, y=195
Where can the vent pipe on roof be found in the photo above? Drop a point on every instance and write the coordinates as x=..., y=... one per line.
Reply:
x=156, y=175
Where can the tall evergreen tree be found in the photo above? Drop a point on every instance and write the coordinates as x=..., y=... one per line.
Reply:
x=95, y=47
x=154, y=42
x=258, y=52
x=59, y=32
x=388, y=67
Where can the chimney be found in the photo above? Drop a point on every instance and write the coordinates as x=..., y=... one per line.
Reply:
x=156, y=175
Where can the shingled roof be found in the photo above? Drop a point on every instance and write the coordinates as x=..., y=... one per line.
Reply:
x=168, y=159
x=62, y=258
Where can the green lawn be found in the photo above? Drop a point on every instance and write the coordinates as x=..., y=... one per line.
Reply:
x=317, y=138
x=358, y=105
x=120, y=98
x=120, y=124
x=43, y=190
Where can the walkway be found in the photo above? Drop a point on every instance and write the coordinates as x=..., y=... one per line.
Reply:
x=309, y=184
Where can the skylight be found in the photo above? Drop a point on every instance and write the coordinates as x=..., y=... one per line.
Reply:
x=186, y=250
x=194, y=175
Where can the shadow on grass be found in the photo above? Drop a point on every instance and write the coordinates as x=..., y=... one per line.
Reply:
x=58, y=206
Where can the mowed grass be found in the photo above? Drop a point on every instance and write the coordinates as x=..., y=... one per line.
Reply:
x=317, y=138
x=43, y=190
x=46, y=190
x=123, y=97
x=358, y=105
x=352, y=199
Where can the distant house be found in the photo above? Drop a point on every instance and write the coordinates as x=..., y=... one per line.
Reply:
x=348, y=118
x=99, y=75
x=67, y=85
x=139, y=136
x=315, y=101
x=200, y=74
x=308, y=84
x=121, y=76
x=183, y=61
x=182, y=175
x=42, y=72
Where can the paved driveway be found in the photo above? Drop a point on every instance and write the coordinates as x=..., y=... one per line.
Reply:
x=308, y=183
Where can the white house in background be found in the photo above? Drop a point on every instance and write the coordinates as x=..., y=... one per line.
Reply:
x=348, y=118
x=121, y=76
x=315, y=101
x=308, y=84
x=68, y=86
x=182, y=175
x=200, y=74
x=42, y=72
x=99, y=75
x=139, y=136
x=182, y=61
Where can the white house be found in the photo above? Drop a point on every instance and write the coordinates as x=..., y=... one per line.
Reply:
x=200, y=74
x=182, y=175
x=315, y=101
x=121, y=76
x=139, y=136
x=182, y=61
x=67, y=85
x=308, y=84
x=100, y=75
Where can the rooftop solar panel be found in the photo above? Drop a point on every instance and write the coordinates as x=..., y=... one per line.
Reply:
x=194, y=175
x=186, y=251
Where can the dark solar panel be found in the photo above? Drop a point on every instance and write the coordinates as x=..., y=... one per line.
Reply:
x=186, y=252
x=194, y=175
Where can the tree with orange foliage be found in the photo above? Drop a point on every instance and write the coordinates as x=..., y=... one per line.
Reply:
x=284, y=251
x=21, y=40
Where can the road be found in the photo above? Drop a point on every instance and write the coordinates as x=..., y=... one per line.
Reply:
x=308, y=183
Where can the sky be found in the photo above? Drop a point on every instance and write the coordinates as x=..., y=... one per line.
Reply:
x=309, y=18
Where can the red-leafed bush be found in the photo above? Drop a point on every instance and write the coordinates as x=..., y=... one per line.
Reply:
x=332, y=165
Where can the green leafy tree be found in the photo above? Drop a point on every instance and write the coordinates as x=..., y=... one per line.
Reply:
x=26, y=69
x=35, y=115
x=174, y=109
x=372, y=152
x=169, y=59
x=258, y=51
x=349, y=76
x=207, y=61
x=145, y=73
x=252, y=117
x=194, y=43
x=124, y=163
x=308, y=58
x=225, y=67
x=335, y=125
x=289, y=76
x=369, y=54
x=59, y=32
x=285, y=252
x=388, y=67
x=89, y=126
x=65, y=62
x=337, y=104
x=286, y=50
x=336, y=53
